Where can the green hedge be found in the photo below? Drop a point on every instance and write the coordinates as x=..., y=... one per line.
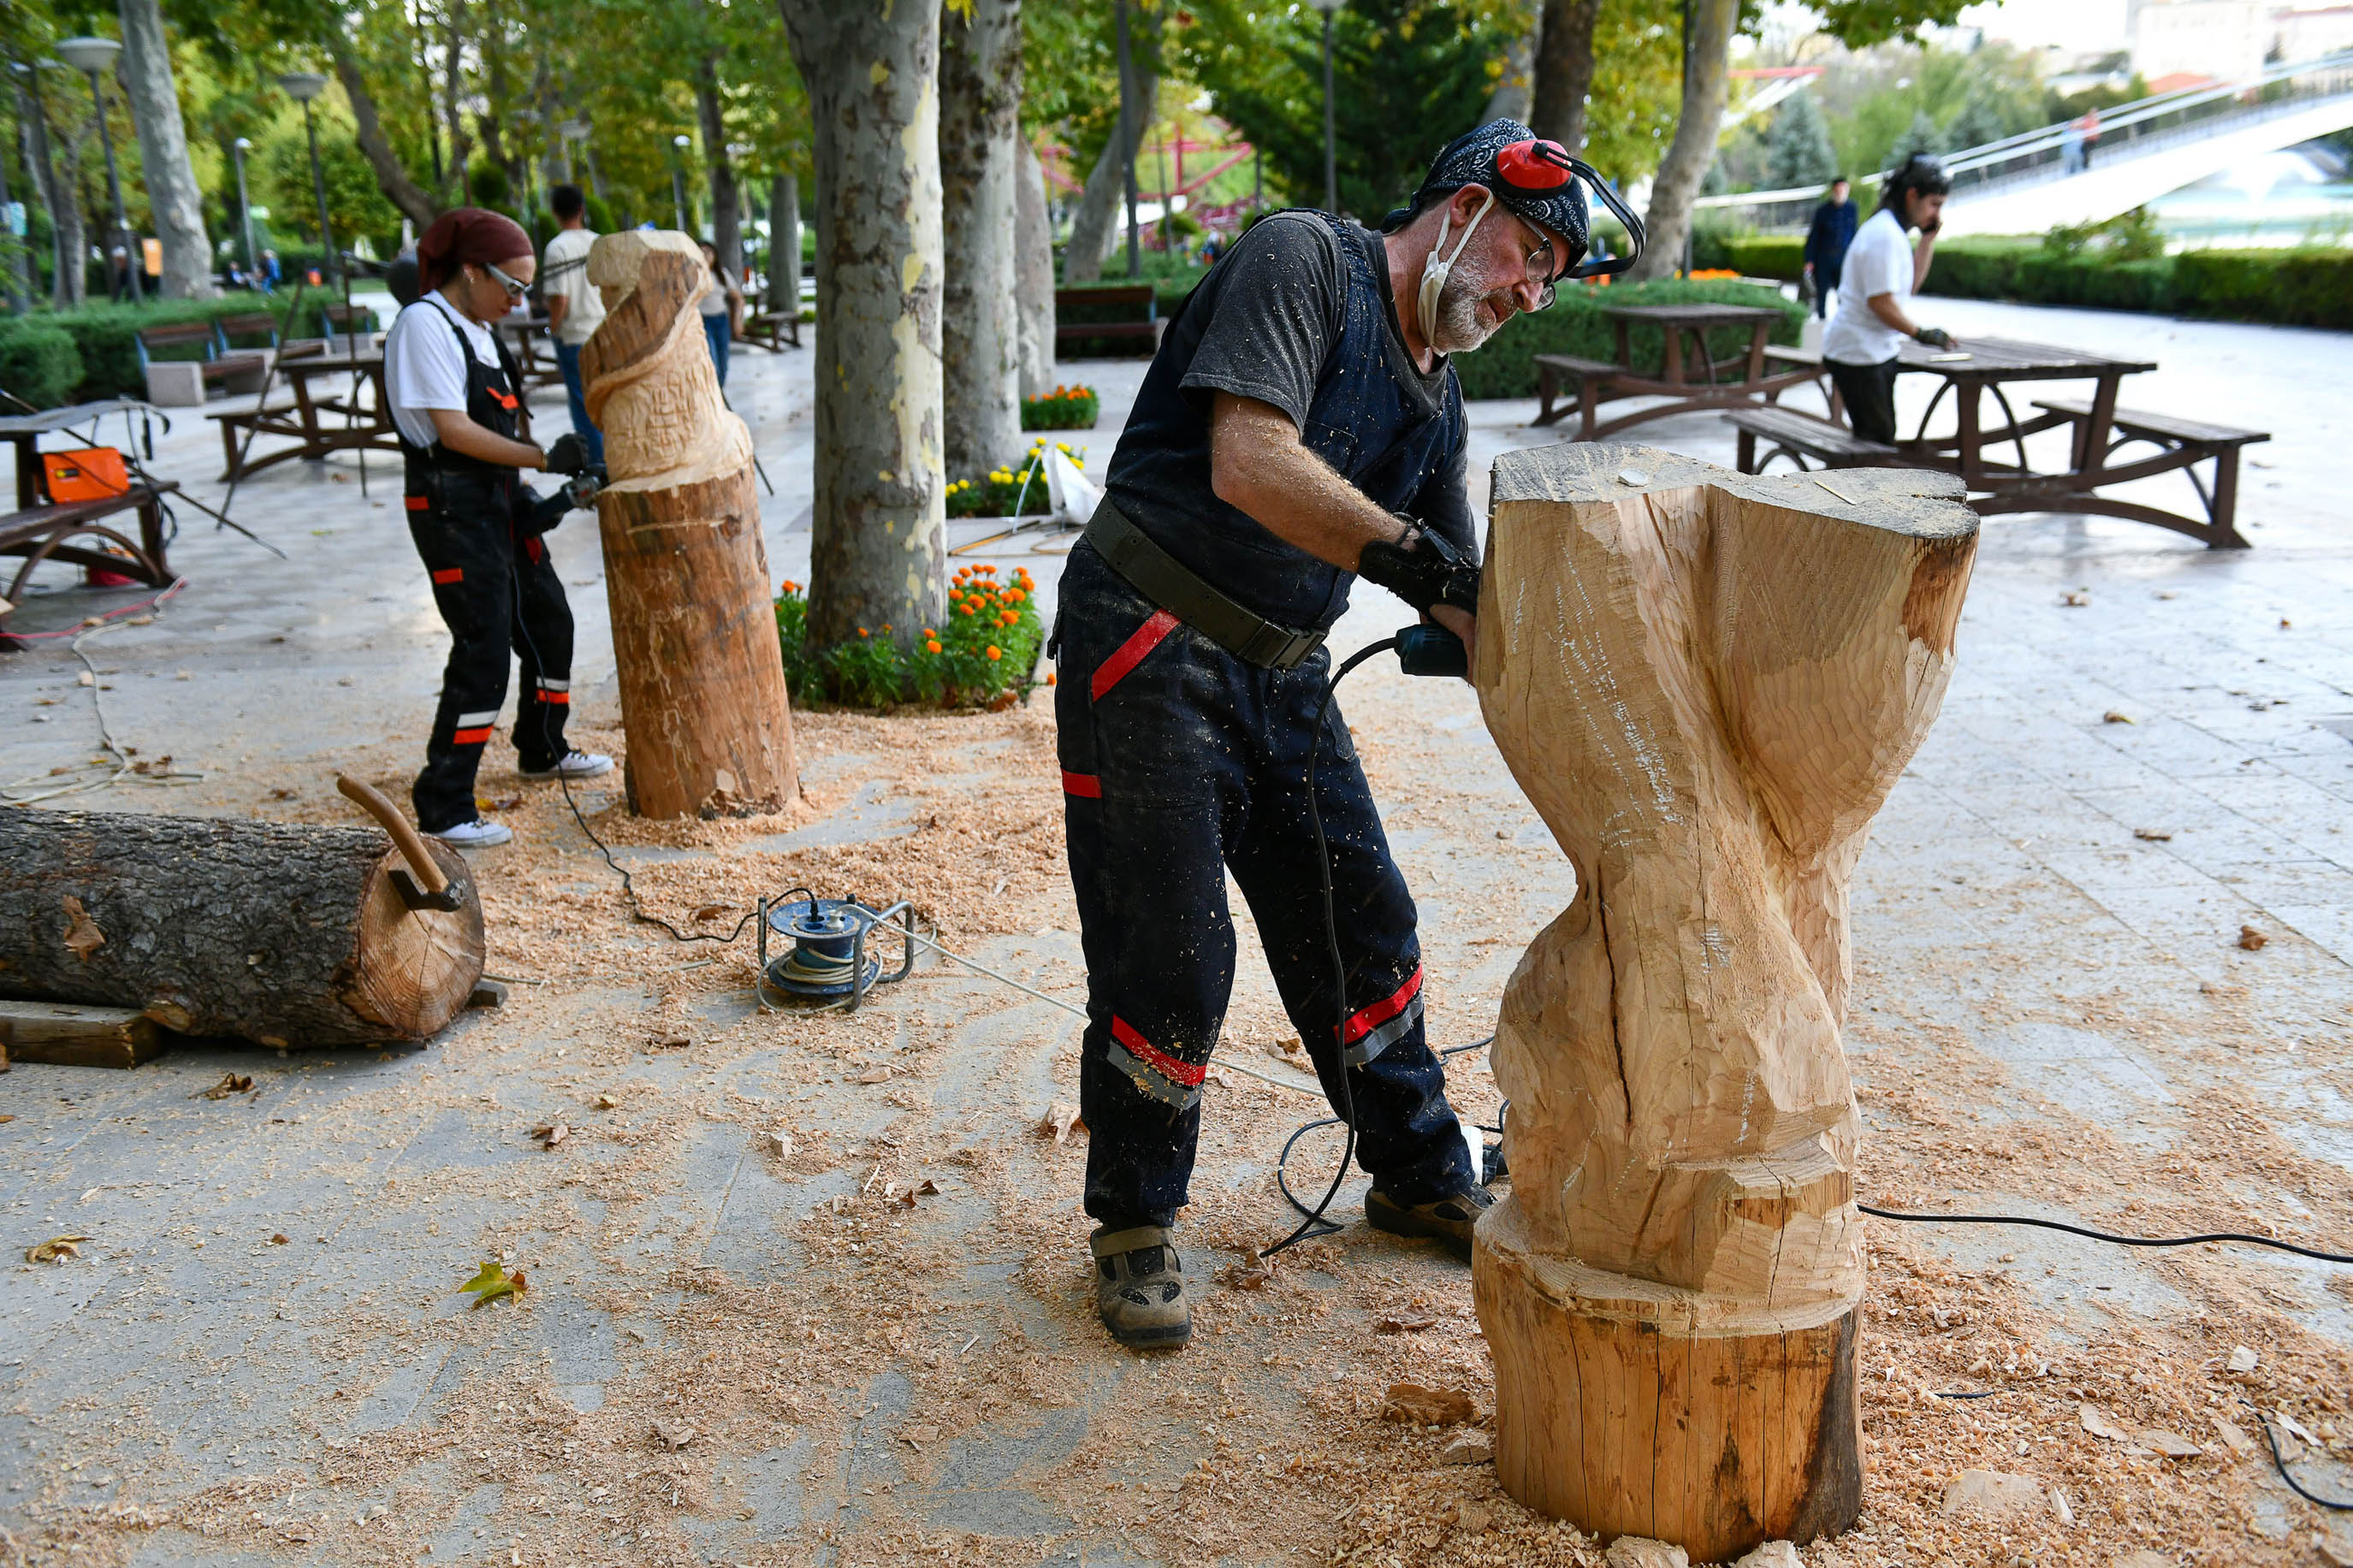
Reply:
x=39, y=362
x=1506, y=367
x=103, y=342
x=2286, y=288
x=1766, y=256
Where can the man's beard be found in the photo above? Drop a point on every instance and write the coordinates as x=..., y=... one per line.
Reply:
x=1460, y=327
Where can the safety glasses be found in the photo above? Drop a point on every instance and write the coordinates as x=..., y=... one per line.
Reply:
x=514, y=291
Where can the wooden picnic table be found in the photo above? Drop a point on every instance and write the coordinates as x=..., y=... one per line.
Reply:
x=1600, y=382
x=524, y=337
x=1977, y=369
x=309, y=420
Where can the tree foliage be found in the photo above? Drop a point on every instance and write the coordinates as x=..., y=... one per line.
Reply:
x=1797, y=148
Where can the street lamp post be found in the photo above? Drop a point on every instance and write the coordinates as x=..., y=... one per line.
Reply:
x=1331, y=157
x=90, y=56
x=678, y=178
x=575, y=132
x=245, y=205
x=303, y=86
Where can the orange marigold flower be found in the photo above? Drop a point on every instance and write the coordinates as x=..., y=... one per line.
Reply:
x=1015, y=596
x=996, y=652
x=931, y=646
x=966, y=610
x=861, y=631
x=1049, y=678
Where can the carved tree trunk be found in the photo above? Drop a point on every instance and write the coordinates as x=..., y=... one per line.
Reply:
x=1706, y=683
x=784, y=243
x=980, y=105
x=1699, y=127
x=1033, y=271
x=173, y=197
x=1563, y=70
x=694, y=630
x=879, y=550
x=286, y=934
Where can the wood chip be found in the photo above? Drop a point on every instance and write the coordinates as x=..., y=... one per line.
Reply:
x=2154, y=834
x=670, y=1042
x=1772, y=1554
x=2243, y=1360
x=2234, y=1436
x=2075, y=600
x=1468, y=1447
x=916, y=1436
x=1639, y=1552
x=2099, y=1425
x=1062, y=1119
x=2251, y=938
x=2116, y=716
x=1418, y=1407
x=1252, y=1273
x=1404, y=1325
x=673, y=1435
x=2172, y=1445
x=1472, y=1519
x=710, y=911
x=551, y=1133
x=1995, y=1494
x=873, y=1075
x=780, y=1143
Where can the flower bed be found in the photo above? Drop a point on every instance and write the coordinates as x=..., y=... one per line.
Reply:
x=1064, y=408
x=1015, y=490
x=979, y=655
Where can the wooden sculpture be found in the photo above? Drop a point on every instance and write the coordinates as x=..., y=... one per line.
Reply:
x=277, y=931
x=694, y=628
x=1706, y=683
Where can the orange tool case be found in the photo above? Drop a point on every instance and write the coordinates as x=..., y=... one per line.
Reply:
x=88, y=473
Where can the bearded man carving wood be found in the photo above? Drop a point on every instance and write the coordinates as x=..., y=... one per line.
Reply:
x=694, y=631
x=1707, y=683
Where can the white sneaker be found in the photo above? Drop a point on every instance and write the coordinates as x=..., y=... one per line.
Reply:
x=479, y=834
x=574, y=765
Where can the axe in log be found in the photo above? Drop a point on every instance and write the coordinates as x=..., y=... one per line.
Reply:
x=422, y=886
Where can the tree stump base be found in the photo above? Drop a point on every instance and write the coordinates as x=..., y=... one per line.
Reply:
x=1753, y=1413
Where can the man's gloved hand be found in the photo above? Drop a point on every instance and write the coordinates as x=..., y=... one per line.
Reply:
x=1933, y=337
x=1423, y=570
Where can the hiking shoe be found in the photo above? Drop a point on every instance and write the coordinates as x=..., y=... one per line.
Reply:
x=1450, y=1219
x=479, y=834
x=572, y=765
x=1140, y=1287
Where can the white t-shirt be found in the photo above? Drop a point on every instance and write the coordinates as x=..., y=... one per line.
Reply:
x=422, y=366
x=564, y=275
x=1878, y=262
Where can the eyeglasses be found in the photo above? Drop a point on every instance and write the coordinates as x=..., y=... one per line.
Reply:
x=514, y=291
x=1540, y=270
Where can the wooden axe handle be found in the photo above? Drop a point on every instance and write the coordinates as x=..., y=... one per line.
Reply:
x=403, y=837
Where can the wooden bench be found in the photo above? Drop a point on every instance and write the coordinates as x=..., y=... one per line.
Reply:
x=1808, y=360
x=41, y=534
x=183, y=382
x=774, y=329
x=1592, y=377
x=2183, y=443
x=1138, y=320
x=1798, y=437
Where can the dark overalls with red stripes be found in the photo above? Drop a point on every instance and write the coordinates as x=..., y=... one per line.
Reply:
x=496, y=590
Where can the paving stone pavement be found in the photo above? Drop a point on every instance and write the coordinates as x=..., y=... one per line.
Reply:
x=2006, y=896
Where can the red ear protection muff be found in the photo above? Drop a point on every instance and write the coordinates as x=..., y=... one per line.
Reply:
x=1533, y=165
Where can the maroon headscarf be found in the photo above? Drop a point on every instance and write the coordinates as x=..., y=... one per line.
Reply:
x=468, y=234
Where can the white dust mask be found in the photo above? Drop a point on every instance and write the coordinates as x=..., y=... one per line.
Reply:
x=1434, y=271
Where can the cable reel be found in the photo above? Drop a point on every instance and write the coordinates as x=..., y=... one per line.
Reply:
x=829, y=960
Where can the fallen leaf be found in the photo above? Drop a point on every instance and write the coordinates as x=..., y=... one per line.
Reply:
x=230, y=1083
x=551, y=1134
x=674, y=1435
x=493, y=1283
x=2116, y=716
x=1062, y=1119
x=710, y=911
x=2243, y=1360
x=282, y=794
x=907, y=1199
x=56, y=1249
x=2285, y=624
x=82, y=935
x=2099, y=1425
x=929, y=1188
x=1468, y=1447
x=2251, y=938
x=1404, y=1325
x=2154, y=834
x=279, y=1239
x=1416, y=1405
x=1251, y=1273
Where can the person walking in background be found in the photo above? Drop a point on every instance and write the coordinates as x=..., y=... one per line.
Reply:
x=2091, y=134
x=574, y=307
x=267, y=274
x=2070, y=148
x=1826, y=243
x=1883, y=269
x=723, y=311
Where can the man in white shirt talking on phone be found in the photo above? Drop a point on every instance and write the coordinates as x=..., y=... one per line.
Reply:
x=1884, y=268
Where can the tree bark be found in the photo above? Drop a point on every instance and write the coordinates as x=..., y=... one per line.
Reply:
x=880, y=552
x=34, y=125
x=1698, y=127
x=453, y=91
x=391, y=177
x=1563, y=70
x=694, y=629
x=784, y=243
x=286, y=934
x=1514, y=94
x=1033, y=271
x=1096, y=228
x=1672, y=1288
x=173, y=197
x=980, y=330
x=726, y=207
x=71, y=286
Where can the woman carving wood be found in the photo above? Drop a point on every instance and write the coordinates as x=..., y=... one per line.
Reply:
x=1706, y=683
x=694, y=631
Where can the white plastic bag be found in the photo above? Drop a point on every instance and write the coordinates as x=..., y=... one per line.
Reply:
x=1074, y=495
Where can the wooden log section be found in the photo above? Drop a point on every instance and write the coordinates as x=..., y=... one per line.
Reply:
x=694, y=629
x=1707, y=683
x=286, y=934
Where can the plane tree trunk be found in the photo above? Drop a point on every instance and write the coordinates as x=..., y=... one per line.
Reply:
x=980, y=134
x=1697, y=128
x=172, y=196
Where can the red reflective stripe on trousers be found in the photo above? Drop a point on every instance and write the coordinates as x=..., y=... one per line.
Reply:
x=450, y=574
x=561, y=697
x=1131, y=653
x=417, y=503
x=471, y=737
x=1167, y=1065
x=1086, y=786
x=1381, y=1011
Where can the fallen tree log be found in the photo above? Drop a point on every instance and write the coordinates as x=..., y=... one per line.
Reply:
x=279, y=932
x=1707, y=683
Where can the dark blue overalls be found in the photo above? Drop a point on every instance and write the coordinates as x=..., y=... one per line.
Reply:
x=1180, y=761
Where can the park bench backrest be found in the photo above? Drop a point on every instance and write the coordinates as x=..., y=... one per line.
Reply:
x=1117, y=304
x=174, y=336
x=253, y=324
